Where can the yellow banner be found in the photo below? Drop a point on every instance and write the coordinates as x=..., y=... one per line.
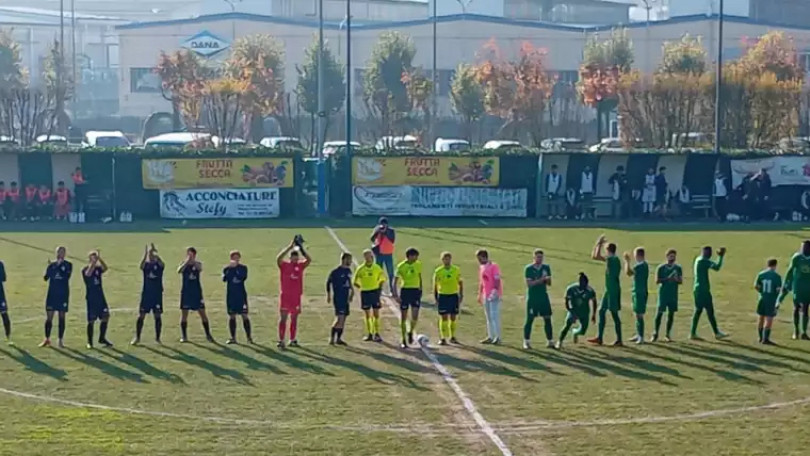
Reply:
x=183, y=173
x=426, y=171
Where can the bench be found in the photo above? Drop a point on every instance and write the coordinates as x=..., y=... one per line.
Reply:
x=702, y=203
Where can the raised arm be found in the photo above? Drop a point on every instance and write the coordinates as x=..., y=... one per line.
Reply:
x=596, y=253
x=627, y=268
x=719, y=264
x=307, y=258
x=145, y=256
x=374, y=233
x=103, y=264
x=283, y=254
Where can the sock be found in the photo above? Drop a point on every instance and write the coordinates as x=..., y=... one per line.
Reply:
x=7, y=325
x=670, y=323
x=207, y=328
x=441, y=329
x=332, y=334
x=403, y=328
x=805, y=321
x=367, y=324
x=566, y=328
x=246, y=325
x=90, y=334
x=695, y=320
x=294, y=329
x=658, y=317
x=158, y=327
x=102, y=330
x=640, y=328
x=413, y=326
x=712, y=320
x=232, y=327
x=376, y=325
x=617, y=324
x=48, y=328
x=282, y=329
x=527, y=327
x=796, y=318
x=453, y=324
x=184, y=329
x=766, y=334
x=339, y=332
x=61, y=327
x=138, y=328
x=600, y=330
x=548, y=328
x=759, y=332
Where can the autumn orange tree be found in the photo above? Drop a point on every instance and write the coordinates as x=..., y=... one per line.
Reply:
x=604, y=63
x=183, y=75
x=516, y=90
x=223, y=100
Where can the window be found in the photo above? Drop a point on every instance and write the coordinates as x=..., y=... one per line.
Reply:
x=144, y=80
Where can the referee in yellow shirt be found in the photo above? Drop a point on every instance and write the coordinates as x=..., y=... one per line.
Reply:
x=448, y=289
x=409, y=283
x=369, y=278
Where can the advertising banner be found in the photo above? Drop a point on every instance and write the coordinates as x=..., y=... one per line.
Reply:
x=183, y=173
x=219, y=203
x=426, y=171
x=783, y=170
x=439, y=201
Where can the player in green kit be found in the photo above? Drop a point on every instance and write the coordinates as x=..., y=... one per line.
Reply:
x=611, y=300
x=640, y=272
x=669, y=277
x=768, y=283
x=538, y=304
x=577, y=297
x=797, y=279
x=703, y=292
x=408, y=293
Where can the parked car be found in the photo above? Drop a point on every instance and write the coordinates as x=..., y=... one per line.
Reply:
x=558, y=144
x=177, y=139
x=52, y=139
x=229, y=141
x=105, y=139
x=336, y=147
x=397, y=142
x=446, y=145
x=608, y=145
x=7, y=141
x=692, y=139
x=281, y=142
x=499, y=144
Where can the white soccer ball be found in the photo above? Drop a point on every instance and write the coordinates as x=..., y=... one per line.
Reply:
x=422, y=340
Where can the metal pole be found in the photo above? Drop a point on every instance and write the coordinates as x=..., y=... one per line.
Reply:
x=718, y=96
x=349, y=78
x=435, y=107
x=321, y=117
x=73, y=48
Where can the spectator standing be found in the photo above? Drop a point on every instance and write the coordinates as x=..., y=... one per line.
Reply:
x=621, y=192
x=750, y=197
x=554, y=186
x=720, y=195
x=62, y=203
x=586, y=188
x=382, y=244
x=662, y=191
x=765, y=186
x=648, y=195
x=79, y=189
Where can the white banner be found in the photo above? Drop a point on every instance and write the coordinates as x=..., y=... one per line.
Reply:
x=783, y=170
x=219, y=203
x=439, y=201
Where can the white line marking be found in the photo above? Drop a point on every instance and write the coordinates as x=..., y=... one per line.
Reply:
x=483, y=424
x=42, y=318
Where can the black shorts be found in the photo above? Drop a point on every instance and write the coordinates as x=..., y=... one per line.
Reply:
x=97, y=309
x=448, y=304
x=237, y=306
x=192, y=301
x=410, y=297
x=57, y=304
x=370, y=300
x=341, y=306
x=151, y=303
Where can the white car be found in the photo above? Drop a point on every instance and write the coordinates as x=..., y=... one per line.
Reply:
x=446, y=145
x=557, y=144
x=397, y=142
x=179, y=139
x=497, y=144
x=334, y=147
x=287, y=142
x=52, y=139
x=608, y=145
x=105, y=139
x=229, y=141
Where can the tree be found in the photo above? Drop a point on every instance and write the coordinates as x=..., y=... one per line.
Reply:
x=12, y=72
x=385, y=95
x=420, y=90
x=58, y=85
x=604, y=63
x=334, y=84
x=183, y=75
x=467, y=97
x=223, y=101
x=259, y=60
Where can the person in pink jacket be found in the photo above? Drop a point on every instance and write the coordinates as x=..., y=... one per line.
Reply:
x=490, y=293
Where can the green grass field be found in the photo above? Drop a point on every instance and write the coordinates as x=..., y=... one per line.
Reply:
x=724, y=398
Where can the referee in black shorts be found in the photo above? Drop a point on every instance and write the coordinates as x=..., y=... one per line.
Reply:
x=340, y=294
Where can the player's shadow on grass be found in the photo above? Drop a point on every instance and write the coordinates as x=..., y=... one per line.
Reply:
x=215, y=369
x=472, y=365
x=103, y=366
x=556, y=357
x=686, y=355
x=371, y=373
x=250, y=362
x=608, y=363
x=289, y=360
x=142, y=365
x=768, y=356
x=523, y=363
x=717, y=356
x=34, y=365
x=639, y=361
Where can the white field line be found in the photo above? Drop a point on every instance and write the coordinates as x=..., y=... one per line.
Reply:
x=468, y=404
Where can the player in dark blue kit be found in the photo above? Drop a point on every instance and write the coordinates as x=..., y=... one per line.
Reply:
x=151, y=293
x=97, y=308
x=58, y=300
x=339, y=293
x=191, y=295
x=4, y=304
x=234, y=275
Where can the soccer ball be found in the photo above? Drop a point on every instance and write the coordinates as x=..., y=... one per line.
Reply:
x=422, y=340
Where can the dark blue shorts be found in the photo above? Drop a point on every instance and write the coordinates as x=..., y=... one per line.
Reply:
x=410, y=297
x=97, y=309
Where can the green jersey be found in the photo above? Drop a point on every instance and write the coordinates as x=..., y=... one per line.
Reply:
x=537, y=292
x=668, y=289
x=799, y=274
x=702, y=267
x=578, y=297
x=769, y=283
x=641, y=274
x=613, y=270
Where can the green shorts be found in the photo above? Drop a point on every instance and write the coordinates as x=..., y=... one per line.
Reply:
x=665, y=306
x=581, y=315
x=640, y=303
x=539, y=307
x=611, y=301
x=800, y=298
x=703, y=300
x=766, y=308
